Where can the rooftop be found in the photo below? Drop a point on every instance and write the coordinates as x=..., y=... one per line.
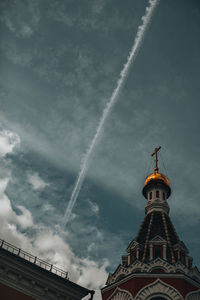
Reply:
x=33, y=259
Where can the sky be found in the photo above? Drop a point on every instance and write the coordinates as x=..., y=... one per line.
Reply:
x=60, y=62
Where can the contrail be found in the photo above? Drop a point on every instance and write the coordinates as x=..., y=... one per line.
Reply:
x=132, y=55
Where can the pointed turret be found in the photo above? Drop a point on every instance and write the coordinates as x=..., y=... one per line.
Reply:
x=157, y=236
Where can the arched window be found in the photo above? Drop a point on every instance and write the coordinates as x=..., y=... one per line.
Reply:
x=157, y=194
x=150, y=195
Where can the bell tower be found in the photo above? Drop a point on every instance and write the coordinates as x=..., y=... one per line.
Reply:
x=157, y=264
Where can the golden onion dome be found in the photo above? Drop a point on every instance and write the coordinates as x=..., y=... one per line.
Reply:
x=156, y=179
x=156, y=176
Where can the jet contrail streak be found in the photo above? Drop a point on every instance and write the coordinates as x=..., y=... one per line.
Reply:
x=133, y=53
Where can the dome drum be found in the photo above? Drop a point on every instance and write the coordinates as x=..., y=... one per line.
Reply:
x=156, y=183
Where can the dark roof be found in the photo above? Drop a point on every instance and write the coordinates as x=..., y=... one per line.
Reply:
x=157, y=223
x=157, y=228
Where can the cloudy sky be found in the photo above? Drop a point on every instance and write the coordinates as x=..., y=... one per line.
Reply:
x=60, y=62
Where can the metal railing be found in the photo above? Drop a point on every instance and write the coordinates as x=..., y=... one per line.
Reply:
x=33, y=259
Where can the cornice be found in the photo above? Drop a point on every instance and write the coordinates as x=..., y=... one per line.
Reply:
x=36, y=282
x=141, y=267
x=147, y=275
x=170, y=274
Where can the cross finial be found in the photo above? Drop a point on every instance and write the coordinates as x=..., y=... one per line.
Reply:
x=156, y=158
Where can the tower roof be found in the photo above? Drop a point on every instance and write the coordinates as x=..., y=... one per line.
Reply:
x=157, y=224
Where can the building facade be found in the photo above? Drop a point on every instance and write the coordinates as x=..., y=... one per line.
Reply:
x=157, y=265
x=26, y=277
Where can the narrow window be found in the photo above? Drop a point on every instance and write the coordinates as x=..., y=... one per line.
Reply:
x=157, y=194
x=150, y=195
x=133, y=256
x=182, y=257
x=163, y=196
x=157, y=252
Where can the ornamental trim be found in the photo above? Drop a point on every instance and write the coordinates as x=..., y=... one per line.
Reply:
x=195, y=295
x=158, y=288
x=120, y=294
x=139, y=267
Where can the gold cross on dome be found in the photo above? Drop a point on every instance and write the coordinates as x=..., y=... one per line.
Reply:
x=156, y=158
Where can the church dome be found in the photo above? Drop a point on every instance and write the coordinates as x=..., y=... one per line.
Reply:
x=156, y=176
x=156, y=179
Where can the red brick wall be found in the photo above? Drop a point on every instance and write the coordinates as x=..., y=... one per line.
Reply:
x=8, y=293
x=183, y=286
x=135, y=284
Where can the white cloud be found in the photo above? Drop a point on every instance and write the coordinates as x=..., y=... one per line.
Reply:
x=3, y=185
x=8, y=141
x=24, y=220
x=81, y=270
x=48, y=245
x=90, y=270
x=36, y=181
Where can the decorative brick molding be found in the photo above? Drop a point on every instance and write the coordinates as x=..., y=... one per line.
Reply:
x=158, y=289
x=120, y=295
x=140, y=267
x=193, y=295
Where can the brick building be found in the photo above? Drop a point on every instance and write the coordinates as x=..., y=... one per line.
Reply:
x=26, y=277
